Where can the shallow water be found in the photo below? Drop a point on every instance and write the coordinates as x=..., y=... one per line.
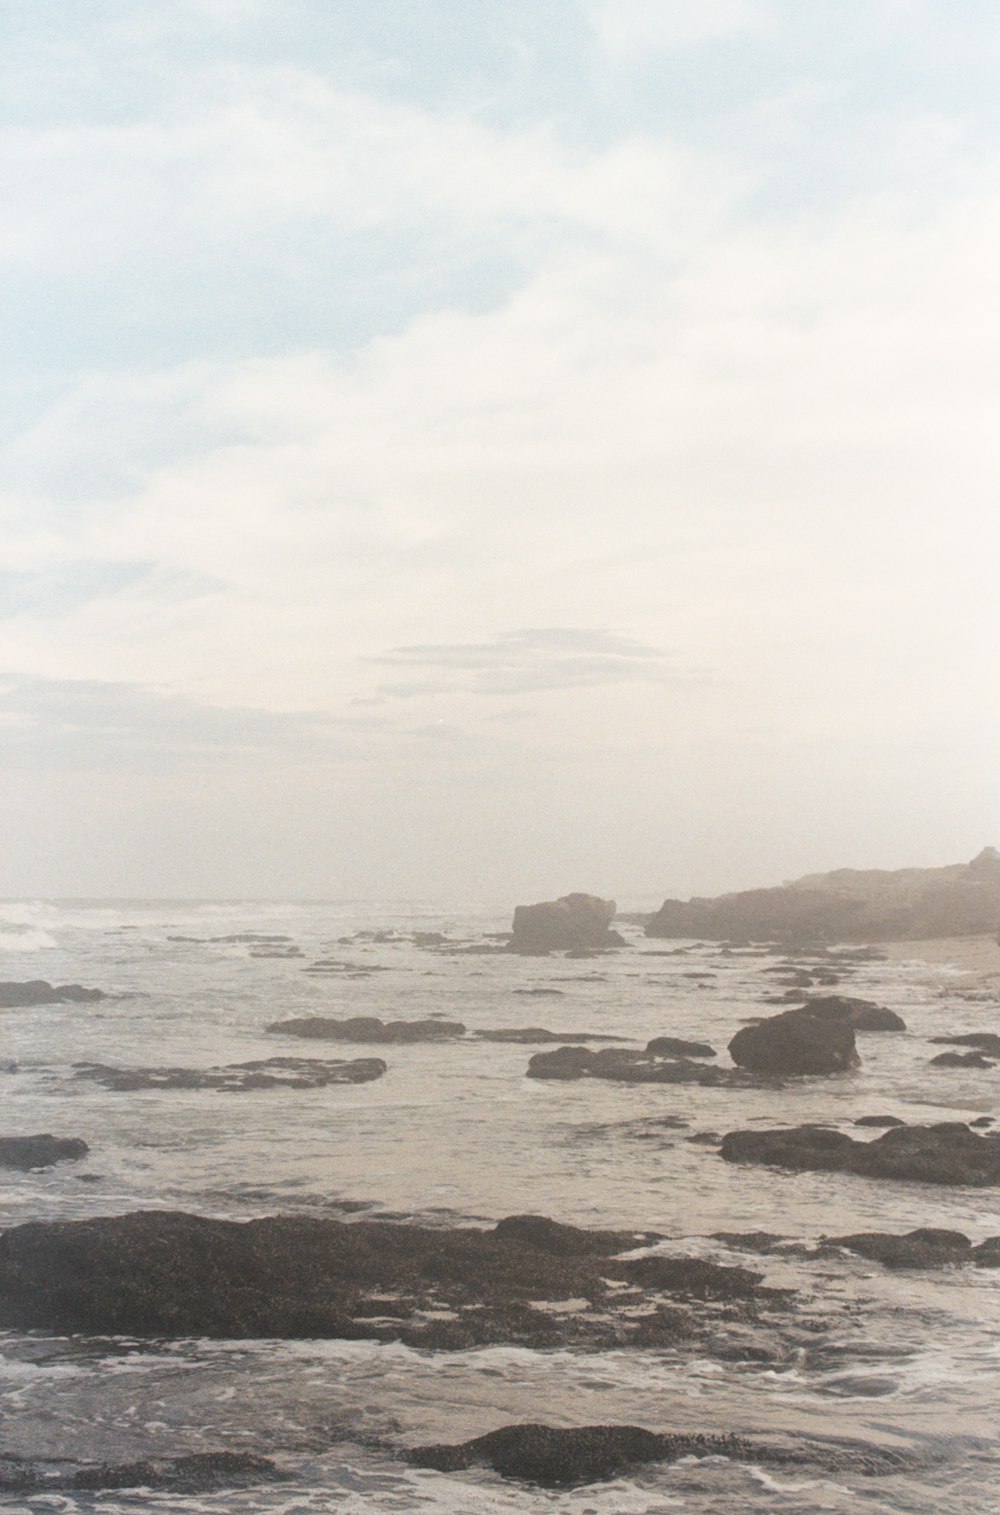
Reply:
x=456, y=1132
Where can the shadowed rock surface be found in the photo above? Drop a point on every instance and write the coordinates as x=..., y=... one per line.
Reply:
x=848, y=905
x=983, y=1041
x=574, y=921
x=37, y=992
x=625, y=1066
x=859, y=1014
x=366, y=1028
x=961, y=1060
x=794, y=1043
x=162, y=1273
x=946, y=1153
x=238, y=1078
x=560, y=1457
x=197, y=1473
x=676, y=1046
x=40, y=1151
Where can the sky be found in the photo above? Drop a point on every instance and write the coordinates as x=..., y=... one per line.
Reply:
x=480, y=449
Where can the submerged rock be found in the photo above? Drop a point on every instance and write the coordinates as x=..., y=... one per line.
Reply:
x=27, y=1152
x=946, y=1153
x=794, y=1043
x=37, y=992
x=197, y=1473
x=529, y=1035
x=623, y=1065
x=237, y=1078
x=572, y=922
x=983, y=1041
x=366, y=1028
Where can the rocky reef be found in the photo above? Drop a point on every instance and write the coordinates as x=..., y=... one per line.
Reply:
x=580, y=922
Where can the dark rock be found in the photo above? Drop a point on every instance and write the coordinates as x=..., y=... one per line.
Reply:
x=982, y=1120
x=983, y=1041
x=39, y=1151
x=859, y=1014
x=924, y=1248
x=879, y=1120
x=987, y=1254
x=622, y=1065
x=37, y=992
x=164, y=1274
x=796, y=1042
x=676, y=1046
x=763, y=1242
x=267, y=1073
x=573, y=922
x=848, y=905
x=961, y=1060
x=197, y=1473
x=946, y=1153
x=366, y=1028
x=528, y=1035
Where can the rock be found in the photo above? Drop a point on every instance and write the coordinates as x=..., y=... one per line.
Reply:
x=987, y=1254
x=961, y=1060
x=796, y=1042
x=366, y=1028
x=879, y=1120
x=197, y=1473
x=859, y=1014
x=38, y=992
x=528, y=1035
x=166, y=1274
x=26, y=1152
x=623, y=1065
x=267, y=1073
x=983, y=1041
x=573, y=922
x=676, y=1046
x=924, y=1248
x=946, y=1153
x=848, y=905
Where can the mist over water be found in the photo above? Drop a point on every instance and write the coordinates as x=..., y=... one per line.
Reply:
x=454, y=1133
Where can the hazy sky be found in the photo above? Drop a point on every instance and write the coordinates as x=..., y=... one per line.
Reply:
x=487, y=448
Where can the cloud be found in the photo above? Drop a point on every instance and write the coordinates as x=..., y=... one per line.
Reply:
x=532, y=660
x=631, y=29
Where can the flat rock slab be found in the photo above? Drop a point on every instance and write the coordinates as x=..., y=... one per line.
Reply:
x=982, y=1041
x=26, y=1152
x=37, y=992
x=946, y=1153
x=238, y=1078
x=366, y=1028
x=623, y=1065
x=162, y=1273
x=561, y=1457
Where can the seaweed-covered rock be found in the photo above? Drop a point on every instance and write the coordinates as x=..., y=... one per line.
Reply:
x=40, y=1151
x=796, y=1043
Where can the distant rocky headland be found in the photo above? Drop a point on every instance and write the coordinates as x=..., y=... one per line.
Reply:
x=848, y=905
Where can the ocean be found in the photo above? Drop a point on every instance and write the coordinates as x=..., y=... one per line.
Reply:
x=454, y=1133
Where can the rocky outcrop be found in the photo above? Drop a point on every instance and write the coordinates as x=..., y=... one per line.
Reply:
x=946, y=1153
x=165, y=1274
x=848, y=905
x=26, y=1152
x=238, y=1078
x=366, y=1028
x=859, y=1014
x=562, y=1457
x=796, y=1043
x=624, y=1066
x=37, y=992
x=676, y=1046
x=573, y=922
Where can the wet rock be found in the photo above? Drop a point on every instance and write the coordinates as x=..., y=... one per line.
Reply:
x=763, y=1242
x=197, y=1473
x=983, y=1041
x=166, y=1274
x=238, y=1078
x=676, y=1046
x=987, y=1254
x=37, y=992
x=796, y=1043
x=926, y=1247
x=622, y=1065
x=573, y=922
x=27, y=1152
x=366, y=1028
x=961, y=1060
x=945, y=1153
x=529, y=1035
x=879, y=1120
x=982, y=1120
x=859, y=1014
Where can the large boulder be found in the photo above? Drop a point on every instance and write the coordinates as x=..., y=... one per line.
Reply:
x=945, y=1153
x=573, y=922
x=796, y=1042
x=26, y=1152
